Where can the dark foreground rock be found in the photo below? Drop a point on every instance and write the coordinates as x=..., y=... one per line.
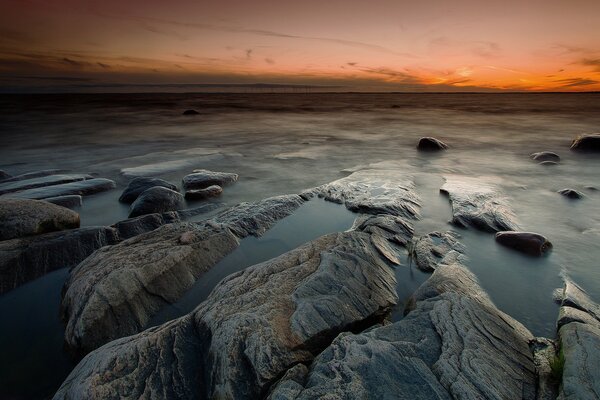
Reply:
x=82, y=188
x=203, y=194
x=545, y=156
x=202, y=178
x=138, y=185
x=190, y=112
x=530, y=243
x=157, y=199
x=24, y=217
x=431, y=144
x=255, y=325
x=454, y=344
x=478, y=204
x=429, y=250
x=50, y=180
x=589, y=142
x=571, y=193
x=136, y=226
x=70, y=201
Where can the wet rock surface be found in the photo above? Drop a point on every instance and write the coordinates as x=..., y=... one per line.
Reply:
x=24, y=217
x=50, y=180
x=478, y=204
x=82, y=188
x=571, y=194
x=431, y=144
x=203, y=194
x=530, y=243
x=545, y=156
x=202, y=178
x=588, y=142
x=70, y=201
x=429, y=250
x=157, y=199
x=140, y=184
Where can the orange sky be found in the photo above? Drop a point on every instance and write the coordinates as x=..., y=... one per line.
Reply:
x=424, y=45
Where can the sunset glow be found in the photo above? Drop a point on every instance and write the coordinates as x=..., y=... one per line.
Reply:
x=363, y=46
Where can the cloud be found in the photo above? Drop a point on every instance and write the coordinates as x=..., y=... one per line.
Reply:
x=249, y=54
x=164, y=32
x=103, y=65
x=591, y=62
x=575, y=82
x=269, y=61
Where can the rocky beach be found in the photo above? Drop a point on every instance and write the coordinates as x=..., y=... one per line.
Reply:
x=300, y=246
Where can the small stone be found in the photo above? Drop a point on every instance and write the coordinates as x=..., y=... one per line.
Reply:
x=202, y=194
x=526, y=242
x=202, y=178
x=571, y=193
x=431, y=144
x=548, y=163
x=157, y=199
x=545, y=156
x=586, y=142
x=190, y=112
x=138, y=185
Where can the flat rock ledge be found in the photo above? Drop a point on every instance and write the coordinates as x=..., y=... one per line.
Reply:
x=454, y=344
x=478, y=204
x=255, y=325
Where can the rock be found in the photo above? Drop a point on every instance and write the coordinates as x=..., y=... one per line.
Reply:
x=548, y=163
x=4, y=175
x=568, y=314
x=145, y=223
x=157, y=199
x=431, y=144
x=116, y=290
x=50, y=180
x=35, y=174
x=526, y=242
x=24, y=217
x=575, y=297
x=254, y=326
x=82, y=188
x=190, y=112
x=453, y=344
x=394, y=229
x=545, y=156
x=203, y=194
x=429, y=250
x=544, y=351
x=571, y=193
x=588, y=142
x=70, y=201
x=140, y=184
x=478, y=204
x=591, y=188
x=25, y=259
x=202, y=178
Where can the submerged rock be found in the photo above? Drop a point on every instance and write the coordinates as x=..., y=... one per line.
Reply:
x=50, y=180
x=478, y=204
x=203, y=194
x=24, y=217
x=70, y=201
x=453, y=344
x=526, y=242
x=571, y=193
x=82, y=188
x=4, y=175
x=202, y=178
x=190, y=112
x=431, y=144
x=157, y=199
x=138, y=185
x=545, y=156
x=588, y=142
x=429, y=250
x=548, y=163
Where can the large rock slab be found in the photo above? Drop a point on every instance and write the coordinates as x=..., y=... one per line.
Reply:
x=50, y=180
x=24, y=259
x=82, y=188
x=255, y=325
x=478, y=204
x=202, y=178
x=24, y=217
x=454, y=344
x=115, y=291
x=157, y=199
x=587, y=142
x=140, y=184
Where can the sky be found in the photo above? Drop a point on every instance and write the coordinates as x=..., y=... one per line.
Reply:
x=362, y=45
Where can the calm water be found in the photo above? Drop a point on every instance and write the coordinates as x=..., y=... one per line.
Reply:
x=285, y=143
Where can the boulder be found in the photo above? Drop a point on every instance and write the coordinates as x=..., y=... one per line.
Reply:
x=70, y=201
x=429, y=250
x=190, y=112
x=50, y=180
x=202, y=178
x=24, y=217
x=545, y=156
x=203, y=194
x=145, y=223
x=4, y=175
x=35, y=174
x=157, y=199
x=571, y=193
x=138, y=185
x=588, y=142
x=431, y=144
x=82, y=188
x=453, y=344
x=478, y=204
x=526, y=242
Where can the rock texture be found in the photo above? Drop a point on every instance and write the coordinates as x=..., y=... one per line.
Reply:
x=82, y=188
x=589, y=142
x=157, y=199
x=24, y=217
x=138, y=185
x=545, y=156
x=526, y=242
x=571, y=194
x=429, y=250
x=203, y=194
x=202, y=178
x=35, y=174
x=50, y=180
x=478, y=204
x=70, y=201
x=431, y=144
x=146, y=223
x=454, y=344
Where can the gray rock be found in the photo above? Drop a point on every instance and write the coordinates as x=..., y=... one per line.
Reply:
x=548, y=163
x=574, y=296
x=190, y=112
x=202, y=178
x=25, y=259
x=544, y=351
x=429, y=250
x=157, y=199
x=50, y=180
x=526, y=242
x=431, y=144
x=138, y=185
x=587, y=142
x=394, y=229
x=291, y=384
x=478, y=204
x=567, y=314
x=35, y=174
x=255, y=325
x=454, y=344
x=4, y=175
x=571, y=193
x=545, y=156
x=82, y=188
x=203, y=194
x=70, y=201
x=146, y=223
x=115, y=291
x=24, y=217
